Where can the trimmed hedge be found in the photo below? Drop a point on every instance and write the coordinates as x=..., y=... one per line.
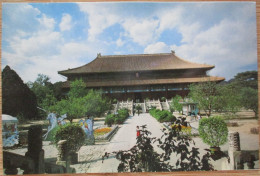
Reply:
x=162, y=116
x=118, y=118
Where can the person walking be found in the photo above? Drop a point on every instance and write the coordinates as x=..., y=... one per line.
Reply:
x=138, y=131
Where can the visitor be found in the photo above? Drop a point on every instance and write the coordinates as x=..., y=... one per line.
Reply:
x=198, y=116
x=138, y=131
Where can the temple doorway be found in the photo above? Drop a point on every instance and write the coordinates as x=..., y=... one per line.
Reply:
x=138, y=98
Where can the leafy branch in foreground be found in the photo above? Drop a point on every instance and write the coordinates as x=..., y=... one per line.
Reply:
x=144, y=158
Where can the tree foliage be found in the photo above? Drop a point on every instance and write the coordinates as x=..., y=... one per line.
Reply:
x=18, y=99
x=247, y=87
x=213, y=131
x=95, y=103
x=212, y=96
x=143, y=157
x=81, y=103
x=205, y=95
x=74, y=135
x=246, y=79
x=249, y=99
x=175, y=104
x=77, y=89
x=47, y=93
x=227, y=98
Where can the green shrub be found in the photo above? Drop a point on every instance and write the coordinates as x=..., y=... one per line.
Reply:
x=162, y=116
x=109, y=120
x=74, y=135
x=123, y=113
x=170, y=118
x=213, y=131
x=119, y=118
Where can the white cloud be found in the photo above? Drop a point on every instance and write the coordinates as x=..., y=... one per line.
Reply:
x=229, y=45
x=158, y=47
x=43, y=50
x=142, y=31
x=220, y=34
x=100, y=17
x=119, y=42
x=65, y=23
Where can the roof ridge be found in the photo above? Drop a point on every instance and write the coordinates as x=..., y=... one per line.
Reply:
x=154, y=54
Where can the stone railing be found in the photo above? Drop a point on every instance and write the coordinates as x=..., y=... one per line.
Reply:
x=155, y=103
x=125, y=104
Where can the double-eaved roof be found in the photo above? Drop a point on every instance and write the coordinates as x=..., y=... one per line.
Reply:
x=137, y=62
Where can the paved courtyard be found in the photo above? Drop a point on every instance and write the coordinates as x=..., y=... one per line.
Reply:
x=90, y=157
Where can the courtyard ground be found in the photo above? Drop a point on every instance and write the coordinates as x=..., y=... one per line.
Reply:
x=90, y=157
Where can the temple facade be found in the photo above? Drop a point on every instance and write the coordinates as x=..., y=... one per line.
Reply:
x=140, y=76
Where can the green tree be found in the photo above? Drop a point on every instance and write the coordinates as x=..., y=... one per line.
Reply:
x=43, y=89
x=77, y=89
x=205, y=95
x=213, y=131
x=246, y=79
x=227, y=99
x=73, y=107
x=249, y=99
x=175, y=104
x=57, y=90
x=79, y=102
x=95, y=104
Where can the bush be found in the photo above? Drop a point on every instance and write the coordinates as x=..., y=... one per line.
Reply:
x=110, y=119
x=74, y=135
x=213, y=131
x=118, y=118
x=124, y=113
x=162, y=116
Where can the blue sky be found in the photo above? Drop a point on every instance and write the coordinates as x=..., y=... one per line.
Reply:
x=49, y=37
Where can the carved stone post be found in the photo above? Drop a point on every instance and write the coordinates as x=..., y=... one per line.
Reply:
x=234, y=151
x=35, y=151
x=234, y=141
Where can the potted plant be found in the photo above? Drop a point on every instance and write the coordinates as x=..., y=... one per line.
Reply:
x=214, y=132
x=75, y=137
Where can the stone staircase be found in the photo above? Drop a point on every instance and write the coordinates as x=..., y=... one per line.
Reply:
x=153, y=103
x=142, y=105
x=125, y=104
